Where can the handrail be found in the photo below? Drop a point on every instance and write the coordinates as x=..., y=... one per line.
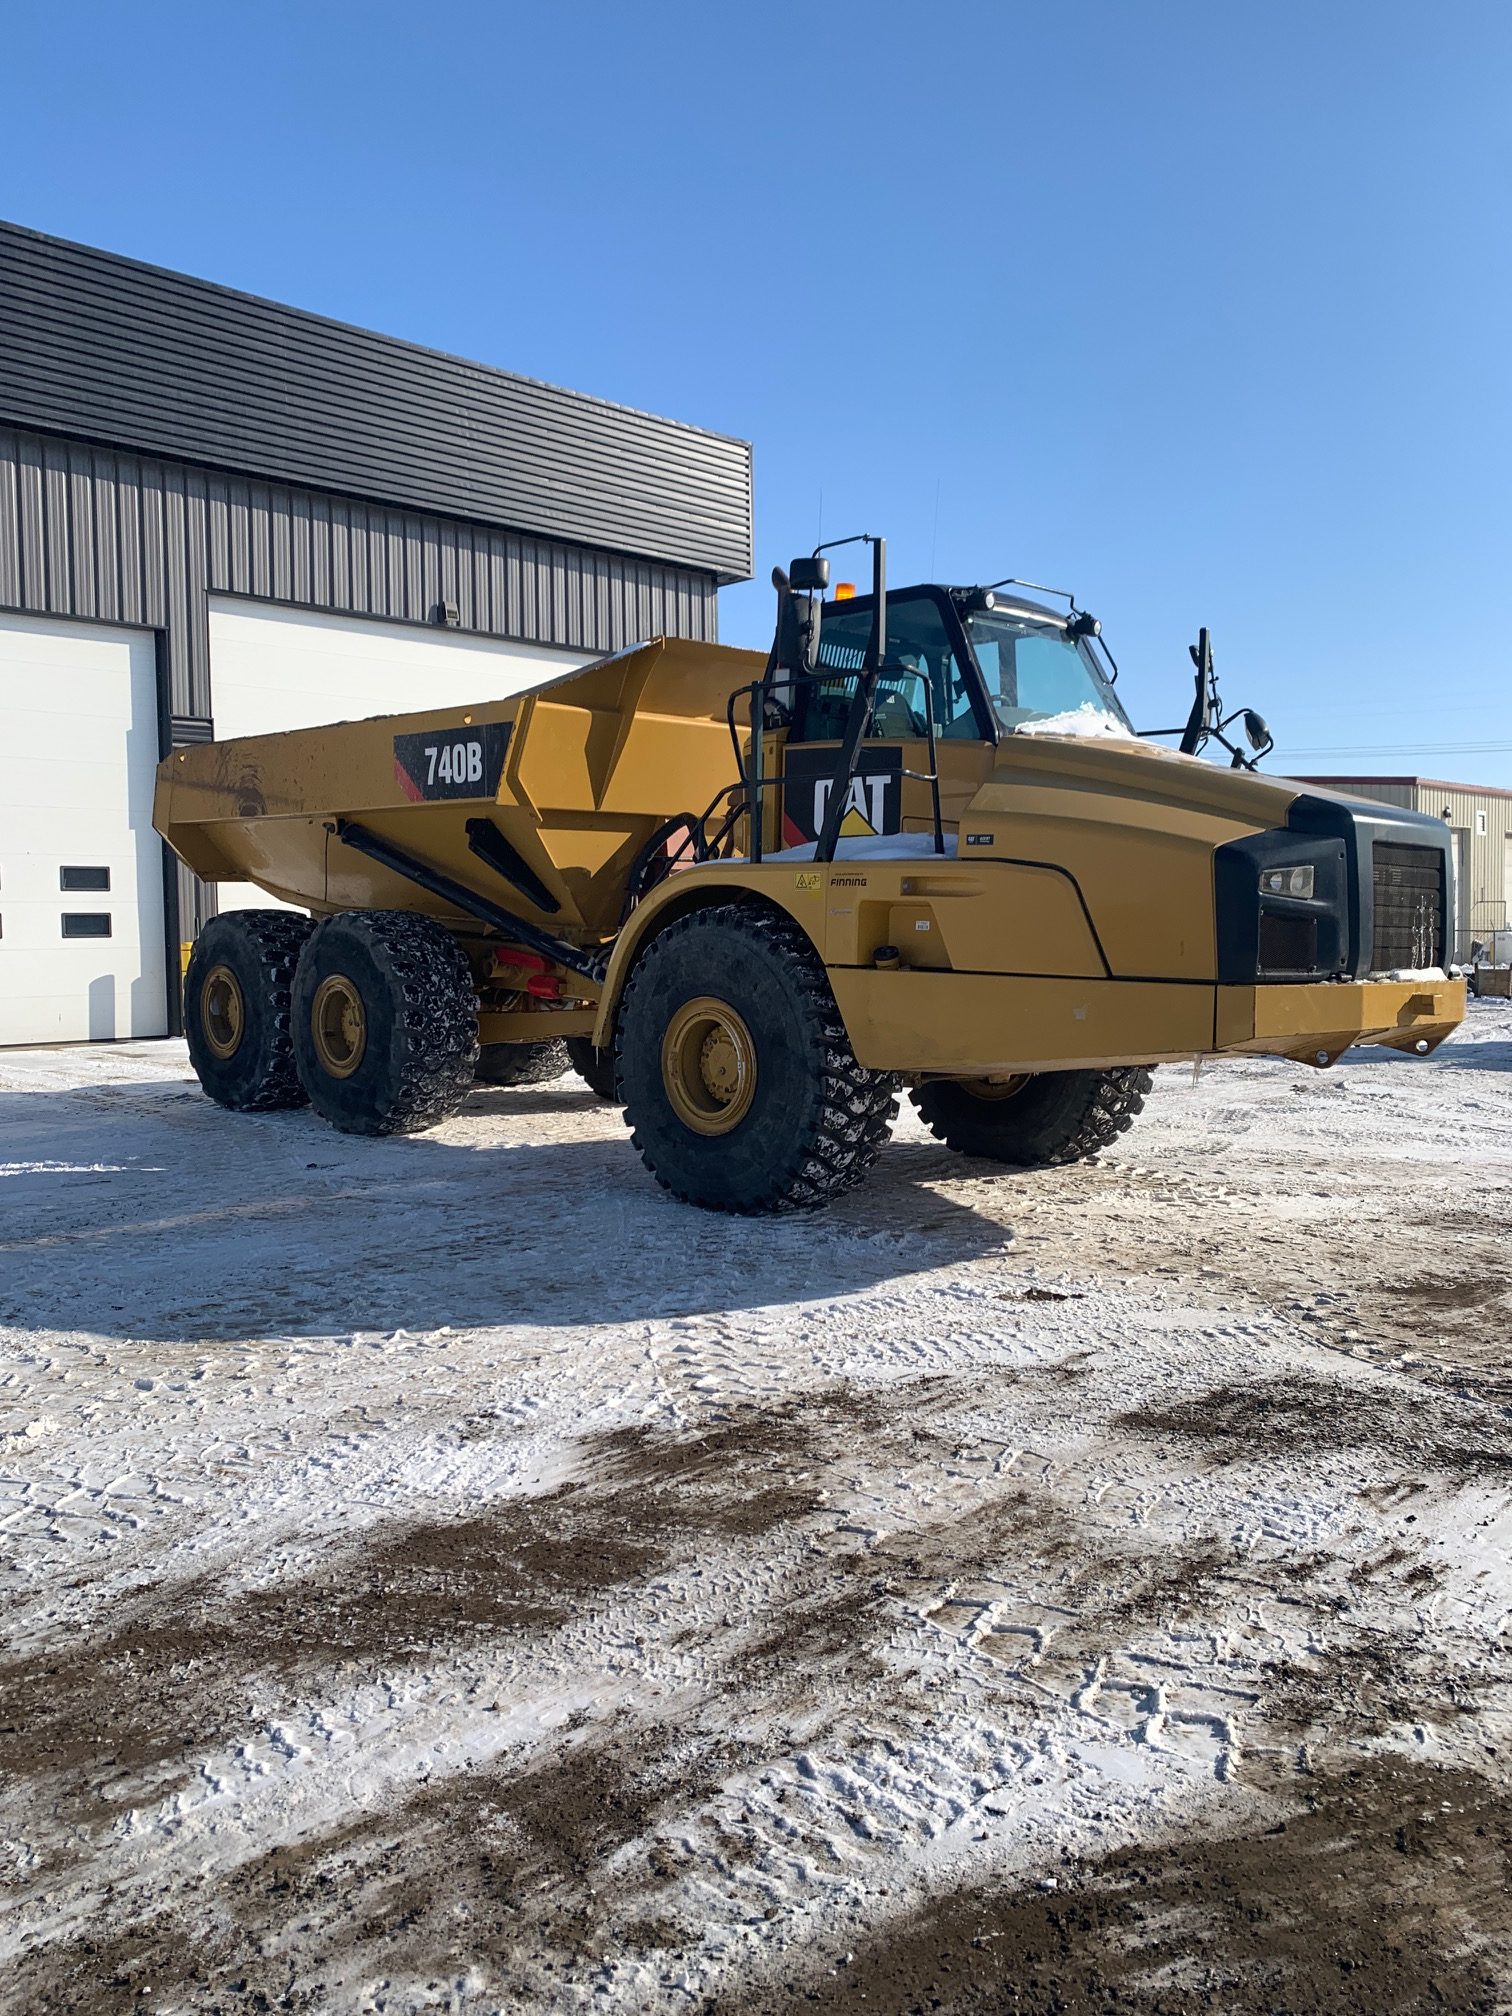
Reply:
x=752, y=780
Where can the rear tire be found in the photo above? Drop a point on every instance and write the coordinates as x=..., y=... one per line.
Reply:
x=385, y=1022
x=237, y=1014
x=594, y=1067
x=522, y=1063
x=738, y=1078
x=1053, y=1117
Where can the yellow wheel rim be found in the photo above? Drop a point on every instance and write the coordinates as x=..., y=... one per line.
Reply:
x=997, y=1088
x=708, y=1066
x=338, y=1024
x=223, y=1013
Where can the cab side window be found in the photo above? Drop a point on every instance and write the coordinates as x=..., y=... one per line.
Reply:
x=919, y=646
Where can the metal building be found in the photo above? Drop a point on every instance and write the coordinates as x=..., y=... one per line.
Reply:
x=222, y=516
x=1480, y=817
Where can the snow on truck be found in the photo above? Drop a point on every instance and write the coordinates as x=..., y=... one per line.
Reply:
x=920, y=846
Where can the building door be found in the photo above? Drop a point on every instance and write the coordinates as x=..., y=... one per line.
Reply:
x=273, y=667
x=1460, y=949
x=81, y=870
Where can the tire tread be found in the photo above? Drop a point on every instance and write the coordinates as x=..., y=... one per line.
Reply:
x=1100, y=1107
x=856, y=1106
x=271, y=942
x=429, y=973
x=510, y=1064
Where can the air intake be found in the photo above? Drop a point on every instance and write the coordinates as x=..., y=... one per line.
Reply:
x=1409, y=907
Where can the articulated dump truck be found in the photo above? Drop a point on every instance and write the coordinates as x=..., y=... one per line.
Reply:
x=919, y=845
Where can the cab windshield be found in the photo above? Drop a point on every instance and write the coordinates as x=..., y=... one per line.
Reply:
x=1035, y=672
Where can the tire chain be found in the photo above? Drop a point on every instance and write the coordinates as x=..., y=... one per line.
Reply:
x=434, y=980
x=531, y=1064
x=278, y=937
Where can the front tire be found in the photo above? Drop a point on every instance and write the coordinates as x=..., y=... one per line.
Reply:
x=237, y=1013
x=522, y=1063
x=739, y=1081
x=385, y=1022
x=1036, y=1121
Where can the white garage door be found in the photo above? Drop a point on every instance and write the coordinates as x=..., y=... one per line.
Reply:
x=81, y=870
x=273, y=668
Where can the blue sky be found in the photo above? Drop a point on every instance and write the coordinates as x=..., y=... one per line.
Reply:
x=1202, y=311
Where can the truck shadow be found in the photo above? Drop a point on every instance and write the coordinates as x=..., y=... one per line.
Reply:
x=152, y=1214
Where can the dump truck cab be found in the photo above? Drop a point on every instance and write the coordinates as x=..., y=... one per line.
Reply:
x=983, y=663
x=919, y=846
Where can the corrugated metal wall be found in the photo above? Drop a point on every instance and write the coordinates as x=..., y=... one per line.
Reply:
x=122, y=538
x=99, y=348
x=1400, y=795
x=1485, y=899
x=1484, y=904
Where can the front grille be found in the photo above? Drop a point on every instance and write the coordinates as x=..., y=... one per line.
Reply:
x=1288, y=944
x=1409, y=907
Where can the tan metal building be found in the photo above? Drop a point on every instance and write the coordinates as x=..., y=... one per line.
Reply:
x=1480, y=816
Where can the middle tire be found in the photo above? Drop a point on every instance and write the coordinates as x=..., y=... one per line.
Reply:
x=385, y=1022
x=739, y=1081
x=522, y=1063
x=594, y=1067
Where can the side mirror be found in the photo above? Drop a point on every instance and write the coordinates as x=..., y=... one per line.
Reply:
x=1256, y=733
x=809, y=576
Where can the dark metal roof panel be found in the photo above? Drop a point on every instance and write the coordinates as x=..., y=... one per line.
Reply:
x=107, y=349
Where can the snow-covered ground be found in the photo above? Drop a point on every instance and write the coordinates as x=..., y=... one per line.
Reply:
x=447, y=1574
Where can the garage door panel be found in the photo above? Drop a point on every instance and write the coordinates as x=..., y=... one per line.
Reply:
x=274, y=668
x=78, y=750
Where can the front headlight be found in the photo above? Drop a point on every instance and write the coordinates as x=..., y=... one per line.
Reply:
x=1287, y=881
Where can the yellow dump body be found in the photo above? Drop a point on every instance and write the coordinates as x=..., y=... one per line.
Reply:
x=576, y=775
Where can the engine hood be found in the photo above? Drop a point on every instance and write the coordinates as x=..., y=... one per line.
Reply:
x=1135, y=827
x=1141, y=772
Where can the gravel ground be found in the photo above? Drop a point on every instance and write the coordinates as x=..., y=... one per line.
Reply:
x=445, y=1574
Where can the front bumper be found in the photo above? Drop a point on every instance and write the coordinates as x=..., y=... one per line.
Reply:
x=1314, y=1024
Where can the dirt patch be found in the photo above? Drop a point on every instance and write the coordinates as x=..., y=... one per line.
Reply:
x=739, y=1477
x=180, y=1677
x=511, y=1879
x=120, y=1715
x=1299, y=1415
x=1365, y=1686
x=499, y=1873
x=1429, y=1291
x=1387, y=1894
x=823, y=1638
x=1030, y=1540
